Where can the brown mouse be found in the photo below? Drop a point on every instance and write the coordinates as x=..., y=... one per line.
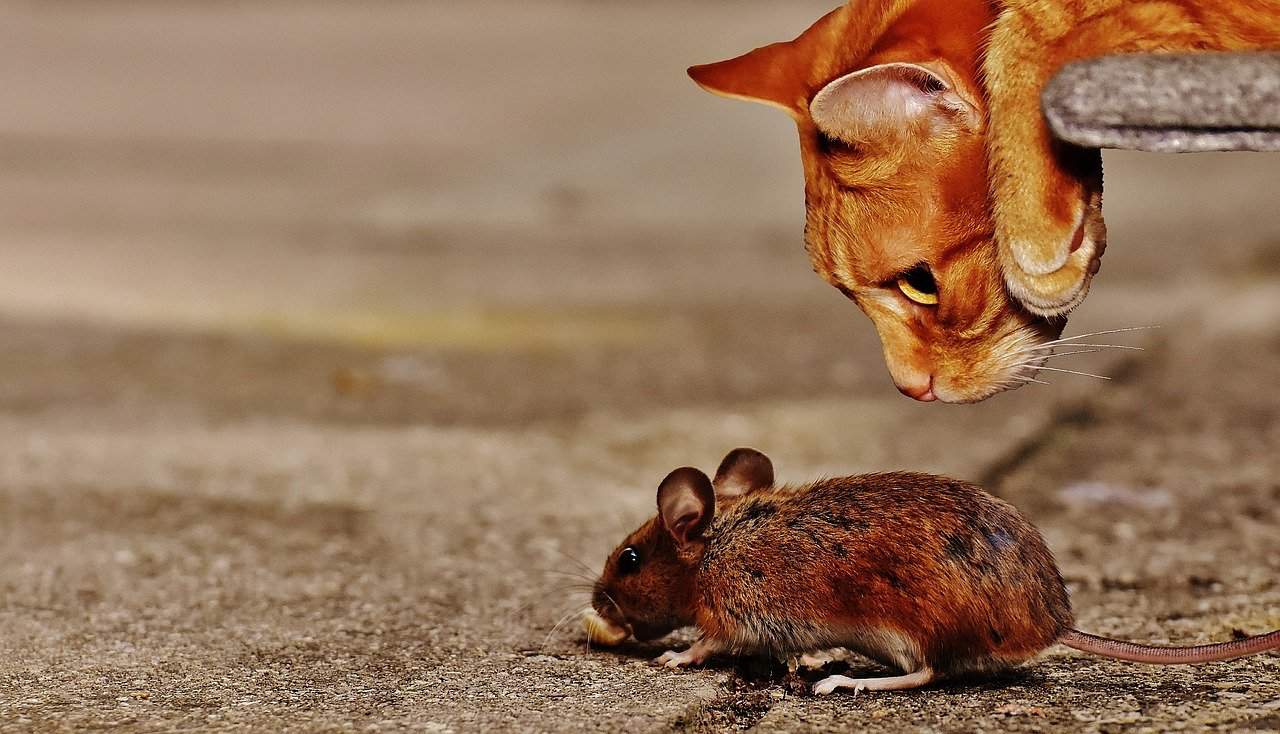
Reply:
x=932, y=576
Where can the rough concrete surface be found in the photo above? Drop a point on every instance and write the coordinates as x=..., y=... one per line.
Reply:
x=343, y=341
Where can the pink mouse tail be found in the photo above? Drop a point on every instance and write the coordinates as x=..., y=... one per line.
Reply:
x=1156, y=655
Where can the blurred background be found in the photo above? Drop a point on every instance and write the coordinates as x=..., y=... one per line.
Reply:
x=332, y=330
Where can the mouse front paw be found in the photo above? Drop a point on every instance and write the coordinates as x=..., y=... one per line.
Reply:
x=697, y=654
x=673, y=659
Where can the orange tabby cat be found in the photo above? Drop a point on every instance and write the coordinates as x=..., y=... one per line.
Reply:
x=920, y=155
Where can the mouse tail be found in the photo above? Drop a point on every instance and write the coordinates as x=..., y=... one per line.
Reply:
x=1157, y=655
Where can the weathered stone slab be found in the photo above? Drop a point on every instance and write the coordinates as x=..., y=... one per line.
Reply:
x=1176, y=103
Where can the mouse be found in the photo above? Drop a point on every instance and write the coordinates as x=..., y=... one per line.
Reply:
x=933, y=577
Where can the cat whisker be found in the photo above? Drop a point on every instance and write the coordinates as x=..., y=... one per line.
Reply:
x=1038, y=360
x=1024, y=378
x=1070, y=372
x=1068, y=354
x=1097, y=333
x=1061, y=354
x=1042, y=347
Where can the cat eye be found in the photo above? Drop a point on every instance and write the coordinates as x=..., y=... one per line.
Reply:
x=917, y=284
x=628, y=560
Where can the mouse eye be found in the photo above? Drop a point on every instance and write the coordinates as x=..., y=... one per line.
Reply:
x=628, y=560
x=917, y=284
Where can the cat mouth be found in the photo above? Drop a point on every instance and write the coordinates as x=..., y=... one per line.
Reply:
x=923, y=393
x=1008, y=362
x=1037, y=365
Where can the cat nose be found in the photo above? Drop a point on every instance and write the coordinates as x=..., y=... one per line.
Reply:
x=921, y=389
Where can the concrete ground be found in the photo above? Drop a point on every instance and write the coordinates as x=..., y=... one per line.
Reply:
x=343, y=340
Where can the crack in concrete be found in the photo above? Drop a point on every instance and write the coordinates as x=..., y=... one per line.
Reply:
x=735, y=708
x=1075, y=414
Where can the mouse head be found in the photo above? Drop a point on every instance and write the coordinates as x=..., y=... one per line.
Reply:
x=892, y=122
x=649, y=581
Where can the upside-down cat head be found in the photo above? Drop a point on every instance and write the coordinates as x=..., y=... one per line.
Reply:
x=892, y=122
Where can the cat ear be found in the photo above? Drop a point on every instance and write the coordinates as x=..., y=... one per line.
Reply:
x=743, y=471
x=686, y=504
x=769, y=75
x=780, y=74
x=889, y=101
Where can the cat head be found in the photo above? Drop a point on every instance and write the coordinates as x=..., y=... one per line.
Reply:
x=892, y=137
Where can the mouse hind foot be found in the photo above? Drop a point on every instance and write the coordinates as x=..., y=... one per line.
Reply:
x=921, y=677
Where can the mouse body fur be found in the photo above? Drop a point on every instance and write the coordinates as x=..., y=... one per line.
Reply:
x=904, y=568
x=928, y=575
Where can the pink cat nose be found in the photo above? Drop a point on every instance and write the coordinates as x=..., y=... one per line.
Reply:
x=922, y=390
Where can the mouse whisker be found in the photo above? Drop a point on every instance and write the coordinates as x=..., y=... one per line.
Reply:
x=571, y=574
x=563, y=620
x=538, y=598
x=615, y=606
x=611, y=600
x=583, y=589
x=581, y=564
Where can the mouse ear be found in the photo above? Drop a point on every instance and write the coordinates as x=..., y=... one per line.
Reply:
x=743, y=470
x=686, y=504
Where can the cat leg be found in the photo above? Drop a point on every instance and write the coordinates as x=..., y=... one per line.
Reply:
x=697, y=654
x=921, y=677
x=1047, y=196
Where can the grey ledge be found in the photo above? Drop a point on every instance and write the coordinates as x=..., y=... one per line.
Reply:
x=1169, y=103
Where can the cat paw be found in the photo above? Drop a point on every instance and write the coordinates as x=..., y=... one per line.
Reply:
x=1048, y=267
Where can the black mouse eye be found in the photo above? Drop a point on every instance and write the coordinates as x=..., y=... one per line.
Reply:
x=628, y=560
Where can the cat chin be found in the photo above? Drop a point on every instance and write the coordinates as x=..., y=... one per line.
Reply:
x=971, y=388
x=977, y=397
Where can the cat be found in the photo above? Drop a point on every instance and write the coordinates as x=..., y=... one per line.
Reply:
x=935, y=198
x=1048, y=196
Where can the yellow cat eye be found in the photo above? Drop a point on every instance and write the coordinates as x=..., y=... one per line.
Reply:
x=917, y=284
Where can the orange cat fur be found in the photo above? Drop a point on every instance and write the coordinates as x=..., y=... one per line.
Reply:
x=1048, y=196
x=907, y=135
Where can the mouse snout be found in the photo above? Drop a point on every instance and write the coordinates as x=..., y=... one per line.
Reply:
x=609, y=613
x=605, y=606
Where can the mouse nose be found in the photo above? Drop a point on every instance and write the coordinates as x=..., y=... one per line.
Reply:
x=921, y=389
